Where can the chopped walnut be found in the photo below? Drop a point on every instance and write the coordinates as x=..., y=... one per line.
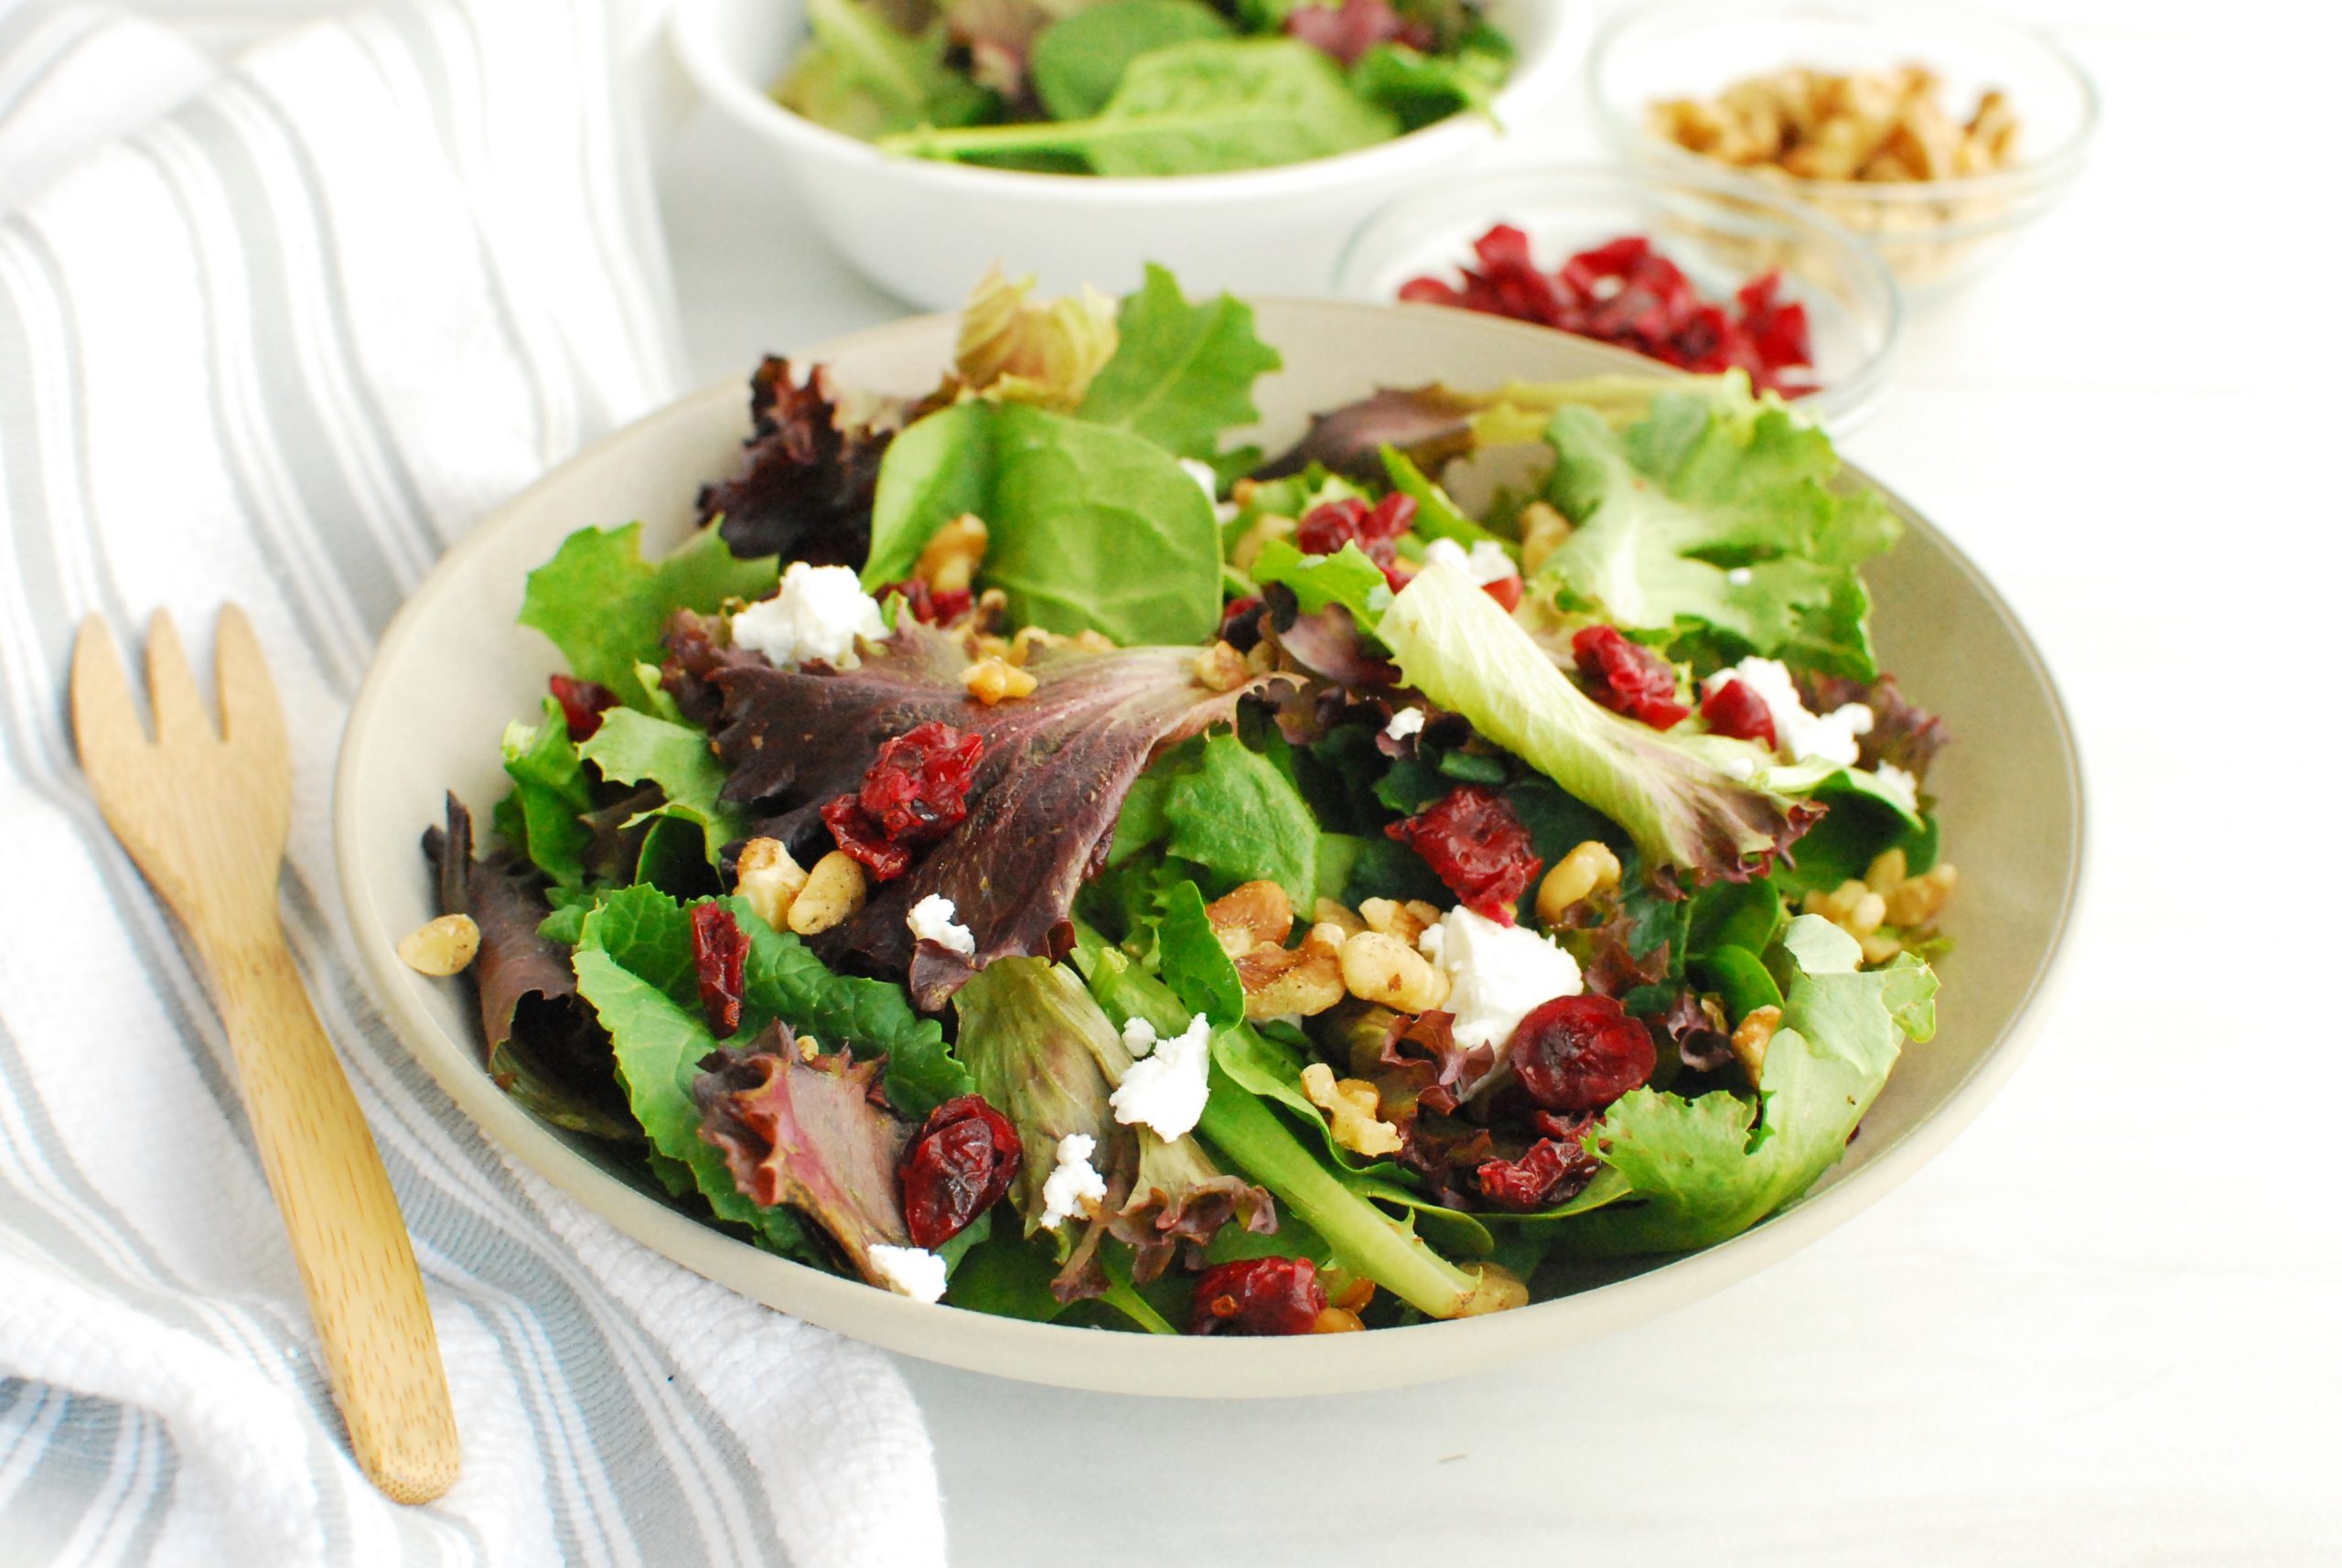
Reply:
x=1257, y=914
x=1282, y=982
x=949, y=560
x=1352, y=1108
x=1220, y=667
x=993, y=680
x=1377, y=966
x=1885, y=126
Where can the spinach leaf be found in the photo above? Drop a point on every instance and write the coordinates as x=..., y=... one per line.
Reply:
x=1199, y=108
x=1093, y=528
x=1078, y=62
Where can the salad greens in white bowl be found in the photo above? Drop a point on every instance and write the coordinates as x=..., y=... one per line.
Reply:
x=1153, y=913
x=921, y=228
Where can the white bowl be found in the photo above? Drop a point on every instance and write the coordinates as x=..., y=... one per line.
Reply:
x=925, y=230
x=454, y=666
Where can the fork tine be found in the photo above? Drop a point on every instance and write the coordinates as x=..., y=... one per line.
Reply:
x=106, y=729
x=249, y=710
x=180, y=715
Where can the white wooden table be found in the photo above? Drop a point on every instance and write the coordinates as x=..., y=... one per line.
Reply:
x=2104, y=1328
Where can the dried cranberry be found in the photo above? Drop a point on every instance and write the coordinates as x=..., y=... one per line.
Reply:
x=1240, y=623
x=928, y=605
x=1258, y=1295
x=1506, y=591
x=864, y=839
x=1374, y=529
x=1626, y=293
x=1628, y=678
x=1471, y=837
x=914, y=792
x=958, y=1164
x=917, y=789
x=1580, y=1053
x=719, y=958
x=1553, y=1171
x=1734, y=709
x=582, y=703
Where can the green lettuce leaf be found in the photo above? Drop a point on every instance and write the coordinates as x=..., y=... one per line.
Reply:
x=539, y=819
x=1418, y=90
x=658, y=1043
x=1718, y=511
x=1436, y=514
x=604, y=606
x=648, y=935
x=1345, y=578
x=1240, y=817
x=1455, y=645
x=1246, y=1132
x=630, y=747
x=1092, y=528
x=867, y=78
x=1182, y=373
x=1707, y=1168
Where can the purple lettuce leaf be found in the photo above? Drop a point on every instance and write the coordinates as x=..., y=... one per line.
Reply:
x=543, y=1043
x=1057, y=764
x=805, y=484
x=808, y=1134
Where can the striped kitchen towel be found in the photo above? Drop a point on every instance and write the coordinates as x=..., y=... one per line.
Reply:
x=281, y=339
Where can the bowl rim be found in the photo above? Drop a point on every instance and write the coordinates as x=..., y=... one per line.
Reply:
x=1844, y=403
x=2040, y=176
x=1090, y=1358
x=1535, y=78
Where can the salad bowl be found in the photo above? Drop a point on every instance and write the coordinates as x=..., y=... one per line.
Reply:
x=454, y=665
x=921, y=230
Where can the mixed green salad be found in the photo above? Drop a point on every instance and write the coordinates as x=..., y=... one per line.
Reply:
x=1027, y=853
x=1138, y=88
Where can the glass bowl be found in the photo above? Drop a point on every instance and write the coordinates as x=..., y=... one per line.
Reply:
x=1933, y=233
x=1720, y=228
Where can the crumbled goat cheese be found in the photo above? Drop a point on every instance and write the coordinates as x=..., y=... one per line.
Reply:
x=1740, y=577
x=818, y=613
x=1138, y=1037
x=1404, y=722
x=1495, y=974
x=935, y=918
x=1485, y=562
x=1074, y=1189
x=1165, y=1090
x=1901, y=784
x=1741, y=768
x=914, y=1271
x=1202, y=474
x=1829, y=738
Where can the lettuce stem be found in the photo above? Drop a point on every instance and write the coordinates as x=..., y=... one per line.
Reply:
x=1252, y=1136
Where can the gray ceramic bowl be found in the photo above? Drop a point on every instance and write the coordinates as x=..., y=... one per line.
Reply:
x=453, y=667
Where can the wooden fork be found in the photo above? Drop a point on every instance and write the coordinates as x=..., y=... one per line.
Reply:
x=204, y=813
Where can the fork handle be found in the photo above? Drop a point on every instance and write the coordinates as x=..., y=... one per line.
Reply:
x=357, y=1265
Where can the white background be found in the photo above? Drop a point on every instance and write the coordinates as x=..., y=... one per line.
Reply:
x=2103, y=1328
